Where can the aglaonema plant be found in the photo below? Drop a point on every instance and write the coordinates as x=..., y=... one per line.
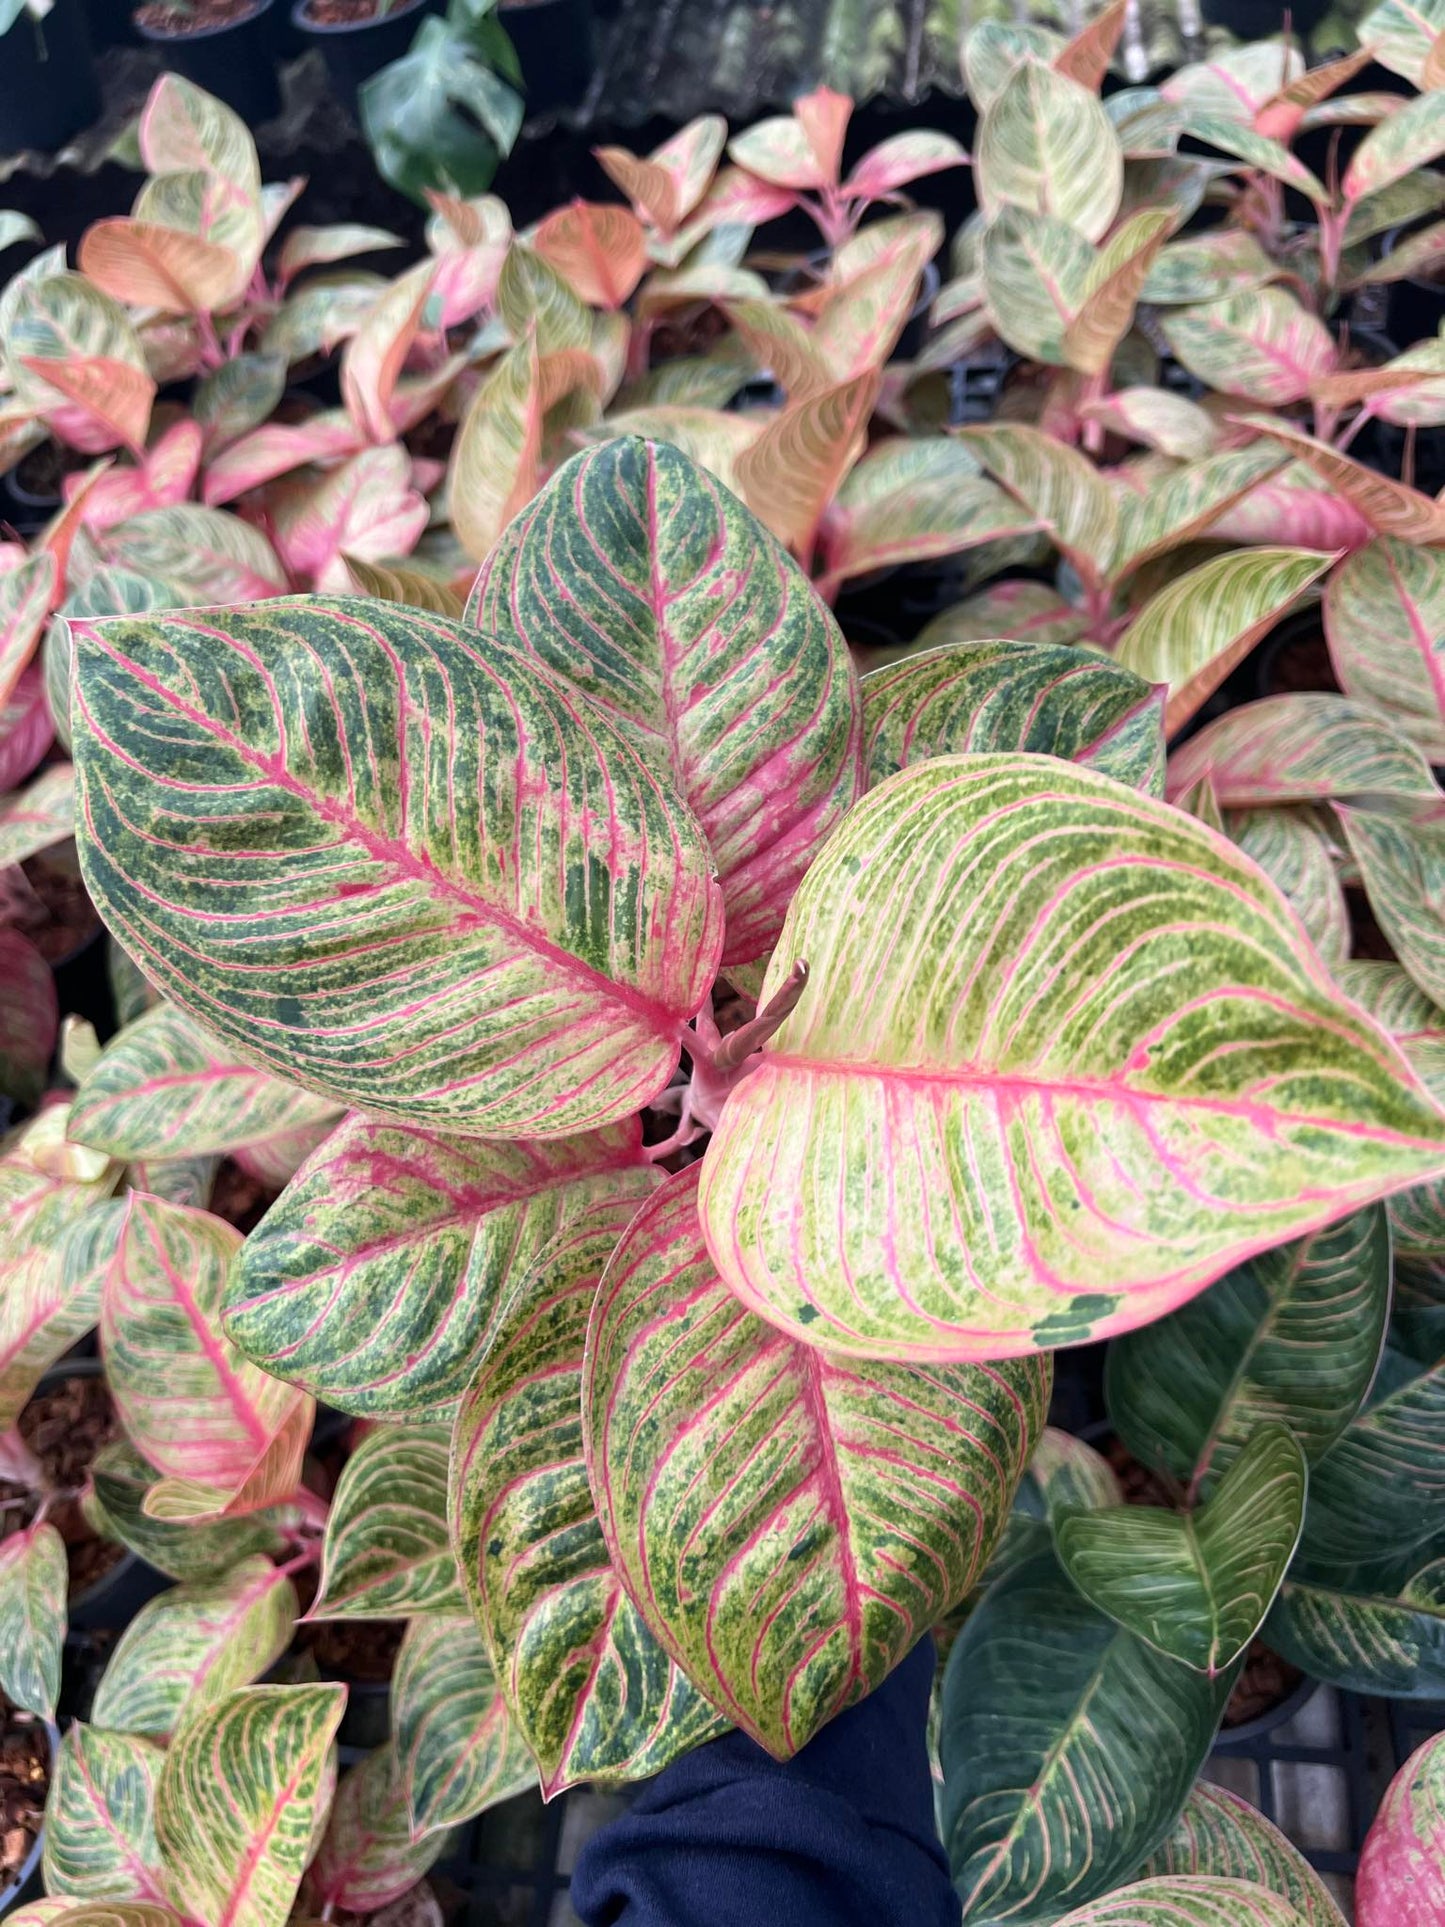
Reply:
x=1034, y=1057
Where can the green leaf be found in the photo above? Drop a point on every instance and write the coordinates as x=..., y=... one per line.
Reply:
x=238, y=396
x=439, y=118
x=192, y=1646
x=375, y=1278
x=1385, y=621
x=1293, y=1335
x=1038, y=696
x=1045, y=144
x=788, y=1527
x=192, y=1554
x=1032, y=1183
x=1208, y=267
x=1204, y=623
x=164, y=1089
x=1364, y=1638
x=1065, y=1474
x=386, y=1553
x=1035, y=272
x=639, y=579
x=592, y=1692
x=240, y=1800
x=1068, y=1748
x=1196, y=1585
x=1291, y=845
x=100, y=1832
x=372, y=905
x=1262, y=344
x=1185, y=1901
x=1401, y=143
x=32, y=1618
x=460, y=1749
x=368, y=1857
x=1377, y=1490
x=1300, y=749
x=1222, y=1836
x=1401, y=860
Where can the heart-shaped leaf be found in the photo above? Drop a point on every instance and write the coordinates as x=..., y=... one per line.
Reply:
x=1294, y=1335
x=368, y=1857
x=192, y=1554
x=1377, y=1490
x=608, y=943
x=592, y=1692
x=240, y=1800
x=100, y=1831
x=1181, y=1900
x=1291, y=845
x=375, y=1278
x=1401, y=861
x=32, y=1618
x=1300, y=749
x=1196, y=1585
x=1222, y=1836
x=1046, y=144
x=29, y=1018
x=753, y=1492
x=1401, y=1878
x=1204, y=623
x=162, y=1088
x=193, y=1645
x=1262, y=344
x=1385, y=621
x=458, y=1746
x=1364, y=1635
x=1038, y=696
x=386, y=1554
x=1068, y=1748
x=1094, y=1152
x=668, y=604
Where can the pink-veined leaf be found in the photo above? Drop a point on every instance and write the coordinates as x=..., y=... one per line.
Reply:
x=1255, y=150
x=862, y=311
x=1292, y=845
x=368, y=1856
x=663, y=600
x=1294, y=506
x=1208, y=267
x=712, y=437
x=1401, y=860
x=184, y=129
x=365, y=986
x=32, y=1618
x=1159, y=419
x=735, y=199
x=1020, y=610
x=374, y=1281
x=312, y=247
x=667, y=186
x=417, y=590
x=163, y=478
x=753, y=1490
x=1301, y=748
x=1176, y=504
x=1390, y=507
x=1045, y=143
x=34, y=819
x=600, y=251
x=100, y=1834
x=1385, y=623
x=1187, y=1900
x=1407, y=140
x=496, y=462
x=237, y=397
x=271, y=1481
x=26, y=728
x=27, y=595
x=1111, y=290
x=240, y=1799
x=61, y=323
x=29, y=1018
x=1281, y=117
x=457, y=1744
x=275, y=450
x=801, y=150
x=111, y=393
x=902, y=158
x=1086, y=57
x=1062, y=488
x=1262, y=344
x=1417, y=1217
x=367, y=507
x=1401, y=1880
x=191, y=1553
x=375, y=355
x=1035, y=269
x=145, y=264
x=794, y=468
x=1220, y=1835
x=386, y=1553
x=1014, y=1165
x=592, y=1692
x=205, y=555
x=273, y=1161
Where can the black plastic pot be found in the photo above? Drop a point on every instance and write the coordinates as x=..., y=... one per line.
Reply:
x=26, y=1884
x=1414, y=308
x=354, y=50
x=47, y=80
x=235, y=62
x=1237, y=1739
x=553, y=39
x=110, y=23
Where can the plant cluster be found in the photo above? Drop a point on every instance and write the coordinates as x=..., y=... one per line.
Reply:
x=705, y=1085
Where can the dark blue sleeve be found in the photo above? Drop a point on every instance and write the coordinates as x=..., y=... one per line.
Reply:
x=841, y=1836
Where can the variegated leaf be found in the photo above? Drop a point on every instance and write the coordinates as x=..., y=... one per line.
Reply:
x=600, y=251
x=1022, y=611
x=592, y=1692
x=384, y=901
x=26, y=728
x=311, y=247
x=1255, y=150
x=1179, y=1900
x=1236, y=81
x=386, y=1553
x=1073, y=504
x=1417, y=1217
x=1385, y=622
x=1188, y=502
x=100, y=1831
x=1045, y=143
x=1204, y=623
x=272, y=1481
x=240, y=1800
x=1038, y=696
x=1222, y=1836
x=192, y=1554
x=1401, y=860
x=1406, y=140
x=656, y=593
x=1196, y=1585
x=1380, y=1489
x=365, y=507
x=1401, y=1877
x=459, y=1749
x=1208, y=267
x=375, y=1280
x=39, y=817
x=74, y=356
x=28, y=592
x=788, y=1527
x=1164, y=1133
x=1035, y=272
x=29, y=1018
x=368, y=1856
x=1112, y=290
x=1066, y=1474
x=1388, y=506
x=193, y=1645
x=668, y=185
x=994, y=49
x=1365, y=1637
x=1302, y=748
x=235, y=398
x=1401, y=34
x=1290, y=845
x=94, y=1913
x=193, y=1404
x=712, y=437
x=1261, y=344
x=1293, y=1336
x=793, y=470
x=410, y=586
x=162, y=1088
x=376, y=353
x=32, y=1618
x=204, y=555
x=1068, y=1748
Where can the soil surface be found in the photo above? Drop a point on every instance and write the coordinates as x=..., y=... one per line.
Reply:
x=362, y=1650
x=65, y=1426
x=24, y=1778
x=198, y=16
x=239, y=1198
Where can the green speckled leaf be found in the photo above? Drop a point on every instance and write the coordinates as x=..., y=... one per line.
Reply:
x=375, y=1277
x=100, y=1833
x=1300, y=749
x=192, y=1554
x=367, y=1857
x=1366, y=1638
x=459, y=1747
x=32, y=1618
x=400, y=906
x=1220, y=1835
x=592, y=1692
x=386, y=1553
x=1292, y=845
x=1379, y=1492
x=788, y=1525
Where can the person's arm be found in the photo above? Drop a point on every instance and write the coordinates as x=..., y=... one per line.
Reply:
x=841, y=1836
